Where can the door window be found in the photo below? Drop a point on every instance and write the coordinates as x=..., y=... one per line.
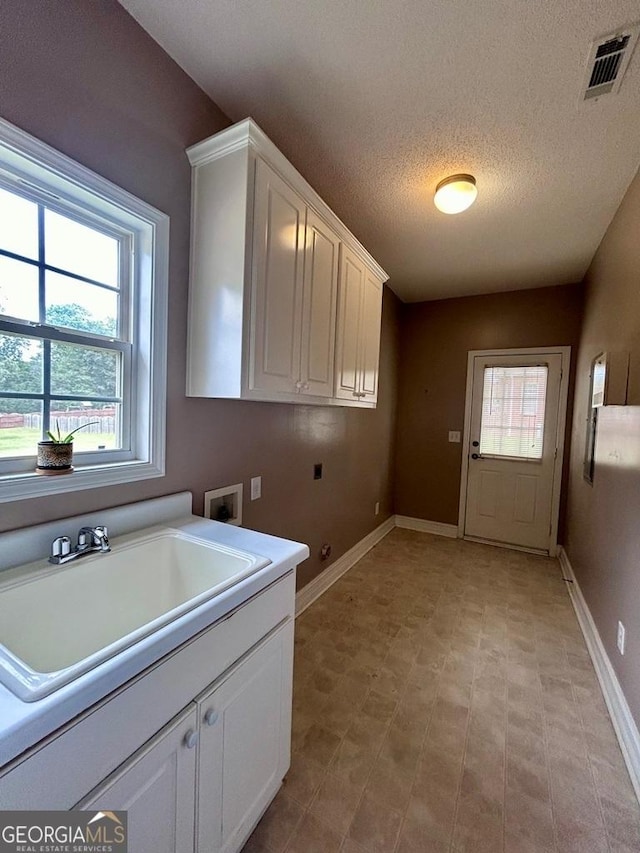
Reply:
x=513, y=408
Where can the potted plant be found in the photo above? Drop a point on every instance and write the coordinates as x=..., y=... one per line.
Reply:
x=56, y=455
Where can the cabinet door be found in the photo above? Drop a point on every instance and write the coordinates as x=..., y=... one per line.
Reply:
x=370, y=337
x=352, y=279
x=277, y=281
x=156, y=786
x=319, y=307
x=245, y=744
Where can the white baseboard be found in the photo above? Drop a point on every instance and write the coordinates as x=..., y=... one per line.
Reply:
x=436, y=527
x=320, y=584
x=623, y=722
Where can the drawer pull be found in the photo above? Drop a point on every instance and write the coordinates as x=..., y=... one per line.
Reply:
x=191, y=738
x=211, y=717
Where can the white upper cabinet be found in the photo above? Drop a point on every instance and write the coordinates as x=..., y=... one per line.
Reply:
x=264, y=289
x=370, y=337
x=294, y=287
x=277, y=282
x=351, y=289
x=358, y=345
x=320, y=298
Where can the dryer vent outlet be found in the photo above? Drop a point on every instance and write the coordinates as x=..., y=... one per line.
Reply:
x=224, y=504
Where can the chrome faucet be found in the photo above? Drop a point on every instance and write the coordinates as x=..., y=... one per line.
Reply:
x=90, y=541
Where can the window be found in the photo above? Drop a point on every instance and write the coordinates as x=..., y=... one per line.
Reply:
x=83, y=291
x=513, y=408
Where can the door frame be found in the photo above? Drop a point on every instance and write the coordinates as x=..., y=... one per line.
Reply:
x=565, y=354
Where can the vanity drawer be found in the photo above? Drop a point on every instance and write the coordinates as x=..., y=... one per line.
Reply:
x=58, y=772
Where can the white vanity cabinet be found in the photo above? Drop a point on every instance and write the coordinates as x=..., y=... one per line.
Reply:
x=212, y=771
x=358, y=338
x=194, y=748
x=156, y=787
x=263, y=293
x=244, y=744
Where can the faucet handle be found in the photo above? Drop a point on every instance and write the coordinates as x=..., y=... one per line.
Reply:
x=61, y=547
x=93, y=538
x=101, y=534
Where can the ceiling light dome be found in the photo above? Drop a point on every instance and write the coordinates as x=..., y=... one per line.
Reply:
x=455, y=193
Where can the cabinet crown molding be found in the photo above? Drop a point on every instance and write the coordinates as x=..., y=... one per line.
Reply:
x=247, y=133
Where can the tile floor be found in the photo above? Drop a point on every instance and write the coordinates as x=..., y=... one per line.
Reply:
x=444, y=700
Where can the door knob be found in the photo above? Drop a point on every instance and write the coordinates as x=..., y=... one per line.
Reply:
x=475, y=456
x=476, y=443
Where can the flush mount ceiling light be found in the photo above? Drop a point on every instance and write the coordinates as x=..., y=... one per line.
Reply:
x=455, y=193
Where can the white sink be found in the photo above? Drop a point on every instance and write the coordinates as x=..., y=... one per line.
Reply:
x=57, y=623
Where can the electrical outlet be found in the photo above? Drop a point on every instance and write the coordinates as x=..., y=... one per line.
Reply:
x=454, y=436
x=377, y=508
x=621, y=633
x=317, y=471
x=256, y=488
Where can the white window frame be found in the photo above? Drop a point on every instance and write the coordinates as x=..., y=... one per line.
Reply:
x=44, y=172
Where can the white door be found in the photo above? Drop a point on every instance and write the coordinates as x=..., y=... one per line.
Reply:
x=319, y=307
x=278, y=260
x=245, y=744
x=156, y=786
x=513, y=449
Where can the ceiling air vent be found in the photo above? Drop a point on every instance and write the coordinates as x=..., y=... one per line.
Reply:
x=608, y=61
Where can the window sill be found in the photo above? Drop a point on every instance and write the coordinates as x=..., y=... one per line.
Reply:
x=15, y=487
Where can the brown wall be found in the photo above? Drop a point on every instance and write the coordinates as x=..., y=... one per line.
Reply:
x=85, y=78
x=603, y=520
x=436, y=337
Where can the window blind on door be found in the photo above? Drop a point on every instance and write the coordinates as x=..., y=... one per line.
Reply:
x=513, y=407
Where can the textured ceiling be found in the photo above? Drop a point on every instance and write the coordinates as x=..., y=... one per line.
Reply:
x=375, y=102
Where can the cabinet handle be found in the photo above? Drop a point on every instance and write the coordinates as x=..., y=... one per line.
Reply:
x=299, y=385
x=211, y=717
x=305, y=386
x=356, y=393
x=191, y=738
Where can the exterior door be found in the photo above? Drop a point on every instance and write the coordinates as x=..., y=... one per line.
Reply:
x=513, y=449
